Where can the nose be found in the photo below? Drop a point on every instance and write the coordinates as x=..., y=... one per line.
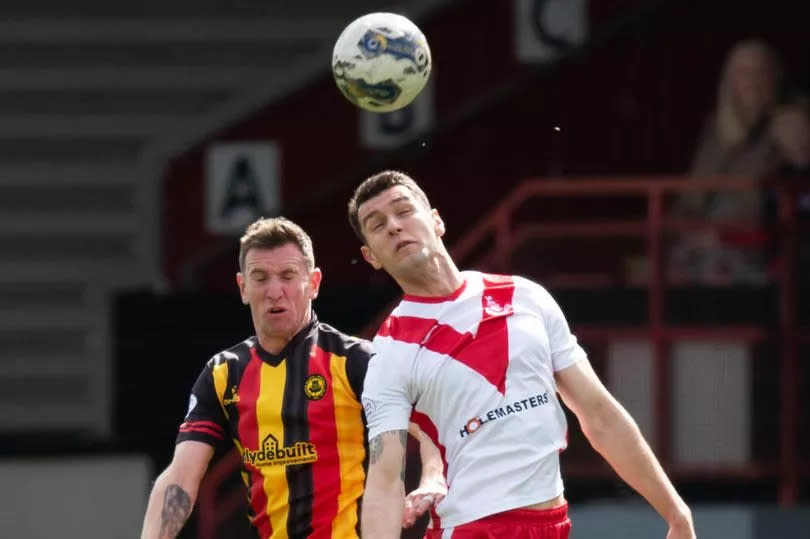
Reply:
x=274, y=289
x=394, y=227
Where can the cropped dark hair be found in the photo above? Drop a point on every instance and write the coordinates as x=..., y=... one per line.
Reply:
x=375, y=185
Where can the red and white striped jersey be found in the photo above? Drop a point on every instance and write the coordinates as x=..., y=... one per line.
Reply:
x=476, y=370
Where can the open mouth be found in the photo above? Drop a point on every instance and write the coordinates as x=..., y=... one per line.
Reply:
x=402, y=244
x=276, y=310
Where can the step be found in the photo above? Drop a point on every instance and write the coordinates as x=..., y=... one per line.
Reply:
x=44, y=319
x=67, y=224
x=96, y=251
x=28, y=342
x=68, y=269
x=101, y=149
x=59, y=403
x=111, y=101
x=51, y=126
x=164, y=31
x=268, y=55
x=19, y=295
x=49, y=366
x=53, y=413
x=38, y=199
x=68, y=175
x=182, y=9
x=51, y=391
x=130, y=78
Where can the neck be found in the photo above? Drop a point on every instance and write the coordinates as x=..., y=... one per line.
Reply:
x=273, y=344
x=437, y=277
x=276, y=343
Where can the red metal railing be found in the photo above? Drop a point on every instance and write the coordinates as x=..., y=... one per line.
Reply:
x=507, y=235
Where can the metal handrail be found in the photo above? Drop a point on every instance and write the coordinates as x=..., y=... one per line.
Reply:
x=499, y=225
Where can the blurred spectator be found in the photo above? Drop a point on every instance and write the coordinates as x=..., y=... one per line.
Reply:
x=758, y=130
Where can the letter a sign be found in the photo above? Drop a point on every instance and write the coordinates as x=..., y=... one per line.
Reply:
x=242, y=184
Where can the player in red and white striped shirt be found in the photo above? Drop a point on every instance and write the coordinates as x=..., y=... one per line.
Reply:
x=478, y=361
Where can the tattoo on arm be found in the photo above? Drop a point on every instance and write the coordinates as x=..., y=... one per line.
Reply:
x=176, y=509
x=375, y=447
x=403, y=438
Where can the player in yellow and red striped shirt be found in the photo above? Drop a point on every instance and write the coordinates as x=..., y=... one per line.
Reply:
x=289, y=398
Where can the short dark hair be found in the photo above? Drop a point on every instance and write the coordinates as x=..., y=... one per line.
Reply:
x=376, y=184
x=269, y=233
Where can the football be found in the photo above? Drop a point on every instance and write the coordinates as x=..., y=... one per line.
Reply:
x=381, y=62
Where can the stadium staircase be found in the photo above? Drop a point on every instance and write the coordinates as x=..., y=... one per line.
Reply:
x=94, y=98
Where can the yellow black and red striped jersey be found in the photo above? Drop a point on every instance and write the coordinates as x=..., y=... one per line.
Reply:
x=297, y=422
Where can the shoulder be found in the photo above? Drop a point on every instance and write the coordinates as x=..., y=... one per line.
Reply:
x=409, y=322
x=535, y=296
x=521, y=284
x=524, y=283
x=236, y=354
x=339, y=343
x=532, y=289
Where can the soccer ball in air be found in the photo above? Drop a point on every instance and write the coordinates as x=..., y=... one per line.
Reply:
x=381, y=62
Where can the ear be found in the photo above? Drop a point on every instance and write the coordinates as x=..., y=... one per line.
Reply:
x=240, y=282
x=315, y=277
x=369, y=257
x=438, y=223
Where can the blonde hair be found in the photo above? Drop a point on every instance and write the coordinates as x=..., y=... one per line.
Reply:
x=730, y=125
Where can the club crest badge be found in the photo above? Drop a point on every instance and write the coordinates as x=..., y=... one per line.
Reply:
x=315, y=387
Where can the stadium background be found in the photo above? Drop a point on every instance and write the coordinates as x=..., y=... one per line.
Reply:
x=114, y=289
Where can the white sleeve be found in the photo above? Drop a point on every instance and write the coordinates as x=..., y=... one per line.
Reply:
x=386, y=392
x=565, y=350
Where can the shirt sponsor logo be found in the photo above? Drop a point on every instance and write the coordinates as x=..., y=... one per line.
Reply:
x=234, y=397
x=271, y=453
x=495, y=414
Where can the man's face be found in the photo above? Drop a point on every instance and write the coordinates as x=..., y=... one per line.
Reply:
x=401, y=232
x=279, y=287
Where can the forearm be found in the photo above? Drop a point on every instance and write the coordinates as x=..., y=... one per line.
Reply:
x=430, y=458
x=432, y=470
x=384, y=499
x=383, y=504
x=615, y=435
x=170, y=504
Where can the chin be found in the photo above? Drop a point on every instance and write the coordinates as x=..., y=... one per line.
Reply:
x=420, y=257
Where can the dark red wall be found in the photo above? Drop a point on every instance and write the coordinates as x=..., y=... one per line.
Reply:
x=630, y=103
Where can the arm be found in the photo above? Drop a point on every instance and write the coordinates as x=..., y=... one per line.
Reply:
x=432, y=485
x=175, y=491
x=431, y=458
x=790, y=131
x=615, y=435
x=384, y=498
